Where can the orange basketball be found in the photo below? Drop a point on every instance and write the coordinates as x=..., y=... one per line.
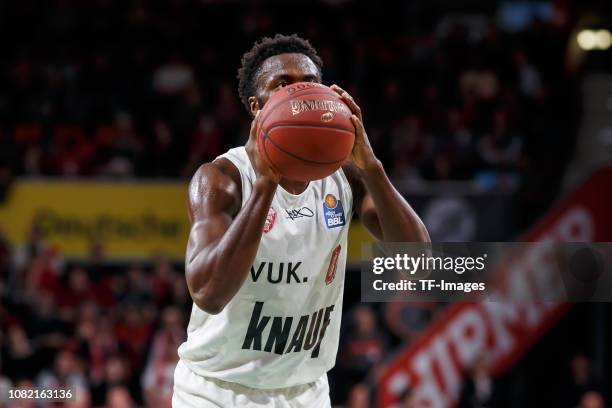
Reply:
x=305, y=131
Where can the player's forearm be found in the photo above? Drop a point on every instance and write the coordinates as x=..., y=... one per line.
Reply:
x=397, y=220
x=218, y=272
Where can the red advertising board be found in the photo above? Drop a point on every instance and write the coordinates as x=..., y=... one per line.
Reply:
x=434, y=365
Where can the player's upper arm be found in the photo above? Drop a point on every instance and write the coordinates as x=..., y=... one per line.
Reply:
x=214, y=199
x=362, y=201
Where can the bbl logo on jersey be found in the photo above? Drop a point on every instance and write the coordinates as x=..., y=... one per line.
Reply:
x=333, y=212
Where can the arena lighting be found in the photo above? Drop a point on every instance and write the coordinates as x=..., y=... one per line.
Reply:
x=604, y=39
x=590, y=40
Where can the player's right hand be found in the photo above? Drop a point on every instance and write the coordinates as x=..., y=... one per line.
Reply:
x=262, y=168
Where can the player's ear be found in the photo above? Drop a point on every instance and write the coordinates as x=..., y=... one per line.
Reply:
x=254, y=105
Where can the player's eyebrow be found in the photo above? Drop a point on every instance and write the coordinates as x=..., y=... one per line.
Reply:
x=289, y=78
x=279, y=77
x=310, y=77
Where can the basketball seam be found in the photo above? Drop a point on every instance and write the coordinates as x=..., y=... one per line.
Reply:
x=265, y=151
x=266, y=136
x=316, y=125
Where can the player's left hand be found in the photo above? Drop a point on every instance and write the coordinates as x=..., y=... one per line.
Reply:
x=362, y=155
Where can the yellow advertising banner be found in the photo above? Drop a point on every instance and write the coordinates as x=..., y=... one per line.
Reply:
x=131, y=220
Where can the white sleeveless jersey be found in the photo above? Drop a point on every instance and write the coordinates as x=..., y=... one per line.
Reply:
x=282, y=327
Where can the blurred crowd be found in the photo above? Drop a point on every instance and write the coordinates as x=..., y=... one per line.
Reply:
x=122, y=89
x=371, y=336
x=111, y=332
x=108, y=332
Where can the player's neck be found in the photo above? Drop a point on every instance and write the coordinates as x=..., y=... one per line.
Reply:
x=293, y=187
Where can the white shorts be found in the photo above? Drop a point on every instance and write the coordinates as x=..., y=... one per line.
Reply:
x=194, y=391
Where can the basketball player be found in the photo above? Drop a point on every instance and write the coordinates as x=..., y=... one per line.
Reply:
x=266, y=255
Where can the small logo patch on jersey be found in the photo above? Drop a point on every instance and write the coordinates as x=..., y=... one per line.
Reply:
x=269, y=224
x=333, y=212
x=304, y=211
x=333, y=265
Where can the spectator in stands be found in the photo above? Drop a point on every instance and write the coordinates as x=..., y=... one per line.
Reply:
x=478, y=389
x=365, y=345
x=118, y=397
x=180, y=294
x=407, y=320
x=460, y=140
x=116, y=374
x=44, y=325
x=359, y=397
x=161, y=282
x=501, y=151
x=67, y=372
x=529, y=78
x=228, y=110
x=39, y=274
x=206, y=144
x=173, y=77
x=592, y=399
x=123, y=157
x=97, y=344
x=77, y=292
x=35, y=244
x=480, y=82
x=407, y=399
x=136, y=288
x=158, y=376
x=410, y=145
x=499, y=148
x=134, y=331
x=20, y=358
x=163, y=157
x=82, y=399
x=582, y=380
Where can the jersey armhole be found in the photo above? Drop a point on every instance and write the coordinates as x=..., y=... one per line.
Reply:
x=242, y=163
x=229, y=168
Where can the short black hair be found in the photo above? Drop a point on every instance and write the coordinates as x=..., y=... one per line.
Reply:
x=265, y=48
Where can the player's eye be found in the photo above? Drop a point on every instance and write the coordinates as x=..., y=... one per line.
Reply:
x=282, y=84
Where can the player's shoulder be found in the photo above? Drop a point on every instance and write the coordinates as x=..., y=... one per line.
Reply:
x=216, y=173
x=220, y=175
